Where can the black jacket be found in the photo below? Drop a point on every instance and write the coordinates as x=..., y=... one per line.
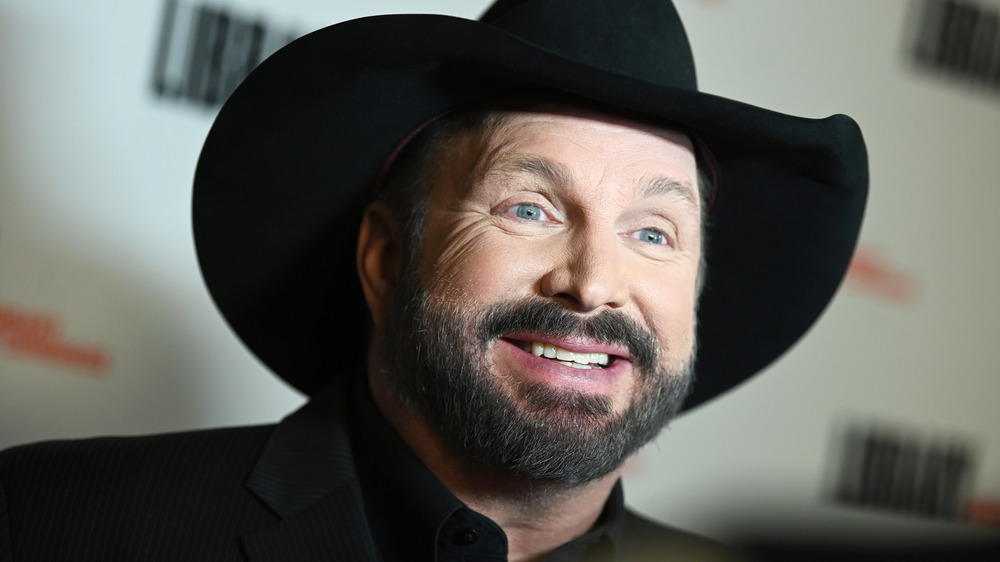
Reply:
x=285, y=492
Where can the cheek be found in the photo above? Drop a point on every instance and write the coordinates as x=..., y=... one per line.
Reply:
x=669, y=308
x=475, y=268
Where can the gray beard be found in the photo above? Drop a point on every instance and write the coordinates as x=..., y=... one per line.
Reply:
x=435, y=362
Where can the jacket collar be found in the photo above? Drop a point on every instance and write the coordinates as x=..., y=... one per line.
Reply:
x=306, y=476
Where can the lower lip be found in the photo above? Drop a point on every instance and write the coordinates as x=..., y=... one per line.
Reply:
x=539, y=369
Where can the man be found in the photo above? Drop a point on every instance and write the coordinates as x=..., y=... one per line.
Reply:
x=494, y=254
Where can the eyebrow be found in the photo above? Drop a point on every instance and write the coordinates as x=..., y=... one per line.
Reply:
x=549, y=171
x=556, y=174
x=668, y=186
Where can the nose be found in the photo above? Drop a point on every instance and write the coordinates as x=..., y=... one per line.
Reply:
x=588, y=273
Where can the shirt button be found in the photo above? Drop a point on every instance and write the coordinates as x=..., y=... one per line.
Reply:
x=465, y=537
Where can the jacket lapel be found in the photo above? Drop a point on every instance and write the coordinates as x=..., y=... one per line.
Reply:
x=332, y=529
x=306, y=476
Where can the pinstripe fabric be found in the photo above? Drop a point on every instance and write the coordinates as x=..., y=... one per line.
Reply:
x=5, y=552
x=333, y=529
x=170, y=497
x=268, y=493
x=307, y=457
x=306, y=476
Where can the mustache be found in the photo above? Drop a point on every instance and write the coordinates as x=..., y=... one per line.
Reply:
x=551, y=318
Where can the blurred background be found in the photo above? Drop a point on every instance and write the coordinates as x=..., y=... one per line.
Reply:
x=878, y=430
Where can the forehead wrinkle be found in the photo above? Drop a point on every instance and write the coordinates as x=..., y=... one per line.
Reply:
x=494, y=145
x=498, y=155
x=555, y=174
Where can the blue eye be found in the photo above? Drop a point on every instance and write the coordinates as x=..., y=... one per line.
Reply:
x=651, y=236
x=528, y=211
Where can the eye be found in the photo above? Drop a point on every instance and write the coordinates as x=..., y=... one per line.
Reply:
x=651, y=236
x=528, y=212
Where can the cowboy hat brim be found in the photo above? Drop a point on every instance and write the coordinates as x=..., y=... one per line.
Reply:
x=287, y=168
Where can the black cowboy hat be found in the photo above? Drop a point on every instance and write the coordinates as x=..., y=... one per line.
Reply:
x=288, y=165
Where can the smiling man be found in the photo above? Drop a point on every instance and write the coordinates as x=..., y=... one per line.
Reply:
x=550, y=301
x=499, y=256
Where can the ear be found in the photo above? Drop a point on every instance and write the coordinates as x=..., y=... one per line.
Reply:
x=378, y=258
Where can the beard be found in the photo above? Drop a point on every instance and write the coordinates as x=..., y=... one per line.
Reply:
x=435, y=360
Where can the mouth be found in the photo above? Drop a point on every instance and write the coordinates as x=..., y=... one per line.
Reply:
x=576, y=359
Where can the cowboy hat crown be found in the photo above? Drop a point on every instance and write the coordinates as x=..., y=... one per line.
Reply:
x=645, y=40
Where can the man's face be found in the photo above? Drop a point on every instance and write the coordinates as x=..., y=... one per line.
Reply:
x=565, y=235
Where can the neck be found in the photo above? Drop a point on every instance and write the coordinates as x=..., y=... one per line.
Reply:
x=537, y=516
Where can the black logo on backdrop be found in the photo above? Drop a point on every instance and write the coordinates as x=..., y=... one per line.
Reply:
x=204, y=52
x=959, y=39
x=897, y=471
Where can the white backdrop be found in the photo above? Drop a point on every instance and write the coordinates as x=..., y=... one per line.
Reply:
x=105, y=327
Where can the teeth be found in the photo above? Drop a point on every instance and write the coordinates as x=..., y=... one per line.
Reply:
x=567, y=357
x=576, y=365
